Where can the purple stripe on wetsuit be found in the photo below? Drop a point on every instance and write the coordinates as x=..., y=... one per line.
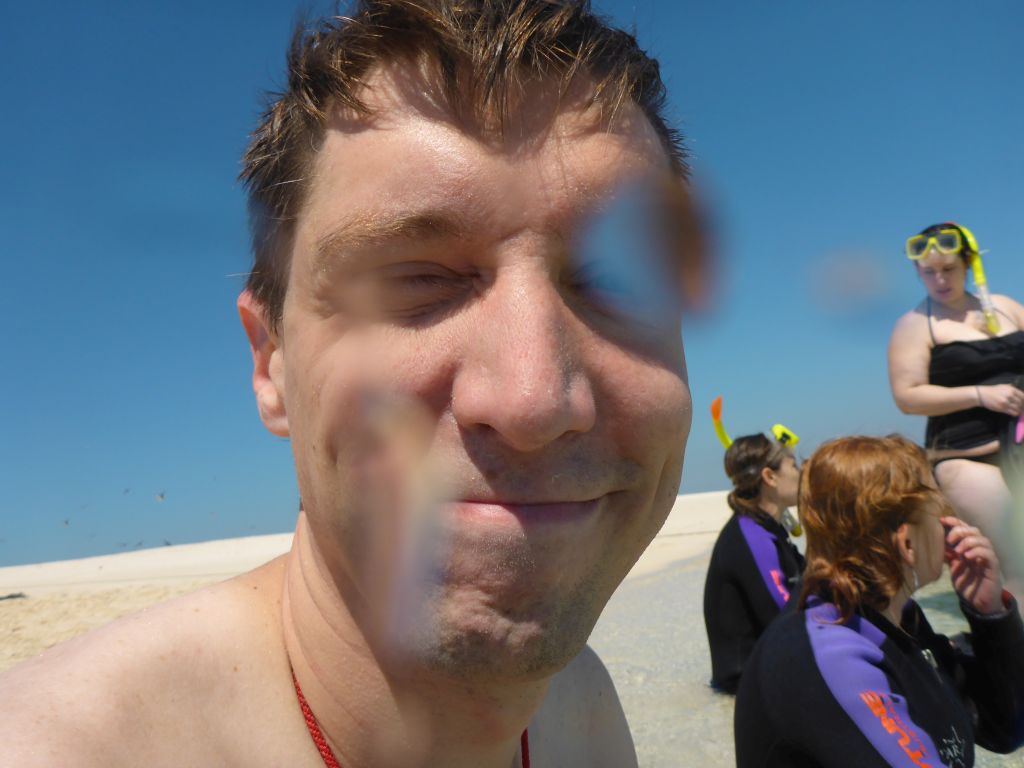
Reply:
x=766, y=556
x=848, y=657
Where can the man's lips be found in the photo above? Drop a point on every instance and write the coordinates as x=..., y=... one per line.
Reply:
x=522, y=514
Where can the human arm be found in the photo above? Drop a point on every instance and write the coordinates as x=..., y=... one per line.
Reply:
x=909, y=358
x=760, y=572
x=993, y=663
x=815, y=695
x=973, y=567
x=1005, y=398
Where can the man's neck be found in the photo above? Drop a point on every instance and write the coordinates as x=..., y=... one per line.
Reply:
x=375, y=711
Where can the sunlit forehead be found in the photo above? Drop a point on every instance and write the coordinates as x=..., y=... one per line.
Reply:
x=416, y=233
x=936, y=260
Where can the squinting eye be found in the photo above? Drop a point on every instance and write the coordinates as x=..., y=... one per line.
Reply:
x=418, y=281
x=414, y=291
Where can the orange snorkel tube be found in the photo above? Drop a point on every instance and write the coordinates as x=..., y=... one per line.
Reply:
x=716, y=419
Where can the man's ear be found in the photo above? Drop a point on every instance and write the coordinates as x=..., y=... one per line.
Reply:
x=267, y=364
x=904, y=546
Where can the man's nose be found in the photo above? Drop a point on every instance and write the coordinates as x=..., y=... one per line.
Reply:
x=522, y=371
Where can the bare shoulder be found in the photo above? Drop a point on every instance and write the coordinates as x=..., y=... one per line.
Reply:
x=1010, y=307
x=911, y=327
x=909, y=353
x=581, y=721
x=148, y=689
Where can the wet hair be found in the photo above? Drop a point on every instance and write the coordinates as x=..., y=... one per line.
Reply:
x=744, y=460
x=855, y=492
x=477, y=57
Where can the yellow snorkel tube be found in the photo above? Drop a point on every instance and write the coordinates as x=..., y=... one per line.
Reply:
x=783, y=435
x=980, y=283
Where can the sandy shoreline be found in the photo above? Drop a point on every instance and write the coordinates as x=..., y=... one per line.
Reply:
x=66, y=598
x=650, y=636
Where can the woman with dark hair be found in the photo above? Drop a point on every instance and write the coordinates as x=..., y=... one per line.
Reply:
x=754, y=566
x=958, y=358
x=857, y=676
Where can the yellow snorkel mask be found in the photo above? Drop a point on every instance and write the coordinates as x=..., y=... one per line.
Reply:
x=954, y=238
x=783, y=436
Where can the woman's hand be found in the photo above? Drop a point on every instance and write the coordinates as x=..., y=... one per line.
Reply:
x=1002, y=398
x=973, y=567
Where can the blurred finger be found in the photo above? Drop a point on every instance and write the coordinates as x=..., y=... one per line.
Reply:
x=960, y=536
x=959, y=568
x=981, y=555
x=970, y=540
x=955, y=537
x=951, y=523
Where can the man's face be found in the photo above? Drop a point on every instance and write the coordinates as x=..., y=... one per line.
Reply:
x=435, y=270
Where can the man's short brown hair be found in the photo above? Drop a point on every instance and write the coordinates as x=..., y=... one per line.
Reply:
x=479, y=53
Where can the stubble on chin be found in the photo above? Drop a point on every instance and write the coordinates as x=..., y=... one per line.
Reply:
x=466, y=634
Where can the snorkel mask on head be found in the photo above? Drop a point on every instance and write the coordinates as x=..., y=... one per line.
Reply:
x=955, y=238
x=784, y=436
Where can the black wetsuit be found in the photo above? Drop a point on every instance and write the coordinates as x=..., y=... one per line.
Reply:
x=754, y=569
x=867, y=694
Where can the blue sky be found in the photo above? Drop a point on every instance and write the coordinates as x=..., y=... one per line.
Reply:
x=822, y=135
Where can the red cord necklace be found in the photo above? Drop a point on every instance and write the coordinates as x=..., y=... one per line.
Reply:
x=328, y=754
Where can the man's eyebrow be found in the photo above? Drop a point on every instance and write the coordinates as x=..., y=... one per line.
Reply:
x=374, y=230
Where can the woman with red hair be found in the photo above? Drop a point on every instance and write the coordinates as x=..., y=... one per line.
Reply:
x=857, y=676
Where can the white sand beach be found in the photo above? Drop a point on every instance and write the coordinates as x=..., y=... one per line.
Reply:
x=691, y=526
x=651, y=635
x=66, y=598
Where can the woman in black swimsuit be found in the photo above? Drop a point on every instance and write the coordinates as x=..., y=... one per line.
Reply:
x=947, y=364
